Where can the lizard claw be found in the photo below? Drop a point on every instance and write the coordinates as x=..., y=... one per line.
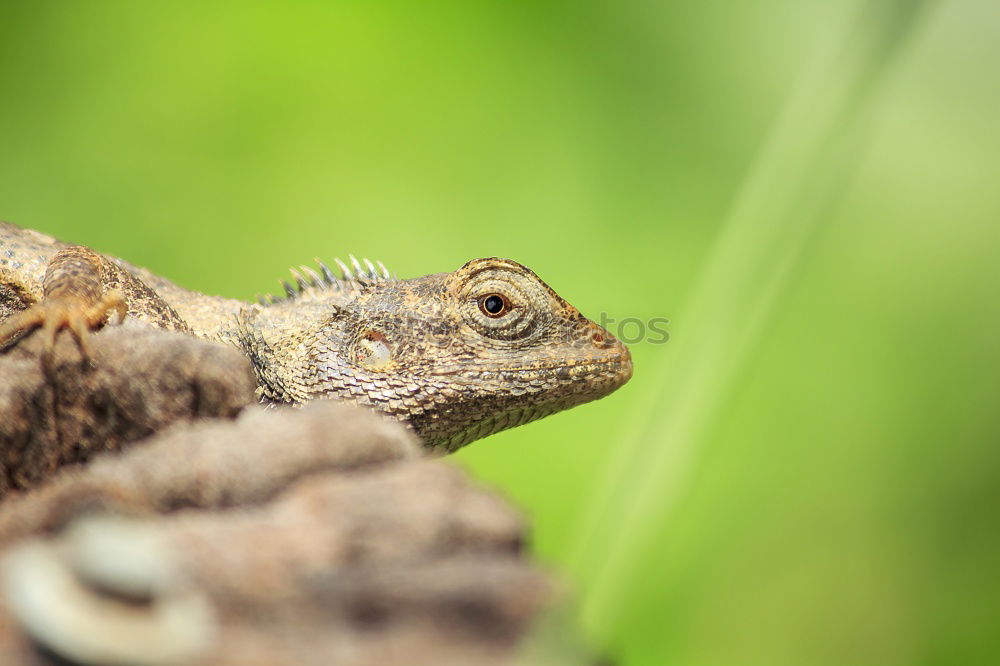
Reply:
x=55, y=314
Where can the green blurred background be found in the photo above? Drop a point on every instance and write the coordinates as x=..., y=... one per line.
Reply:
x=807, y=473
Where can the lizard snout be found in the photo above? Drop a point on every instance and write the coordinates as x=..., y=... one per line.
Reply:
x=614, y=350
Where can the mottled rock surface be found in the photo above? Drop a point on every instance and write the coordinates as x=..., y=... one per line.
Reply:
x=139, y=381
x=155, y=514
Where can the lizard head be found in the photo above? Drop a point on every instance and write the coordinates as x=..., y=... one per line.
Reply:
x=457, y=356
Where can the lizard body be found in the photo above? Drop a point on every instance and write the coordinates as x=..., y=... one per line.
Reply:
x=456, y=356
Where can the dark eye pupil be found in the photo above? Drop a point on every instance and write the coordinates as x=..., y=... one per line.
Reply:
x=493, y=304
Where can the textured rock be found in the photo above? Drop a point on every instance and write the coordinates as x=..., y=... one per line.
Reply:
x=139, y=381
x=321, y=535
x=212, y=464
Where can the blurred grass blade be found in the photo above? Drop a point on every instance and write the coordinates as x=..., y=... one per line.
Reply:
x=790, y=190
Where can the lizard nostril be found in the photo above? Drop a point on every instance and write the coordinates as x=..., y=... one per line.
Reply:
x=602, y=339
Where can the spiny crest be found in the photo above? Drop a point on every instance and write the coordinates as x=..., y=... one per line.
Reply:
x=353, y=277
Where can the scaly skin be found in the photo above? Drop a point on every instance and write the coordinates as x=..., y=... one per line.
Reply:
x=456, y=356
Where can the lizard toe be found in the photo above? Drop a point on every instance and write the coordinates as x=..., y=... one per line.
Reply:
x=16, y=326
x=53, y=315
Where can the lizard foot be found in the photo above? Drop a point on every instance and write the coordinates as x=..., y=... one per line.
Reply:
x=55, y=314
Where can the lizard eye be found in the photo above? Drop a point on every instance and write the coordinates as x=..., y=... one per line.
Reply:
x=503, y=305
x=494, y=305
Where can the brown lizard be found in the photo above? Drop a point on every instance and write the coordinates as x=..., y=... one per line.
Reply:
x=456, y=356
